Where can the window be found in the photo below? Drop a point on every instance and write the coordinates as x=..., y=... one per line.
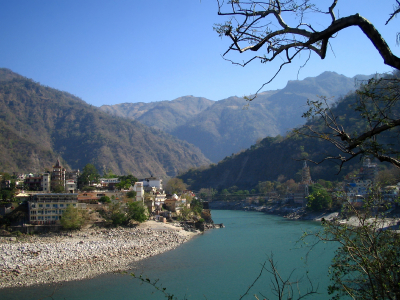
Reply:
x=47, y=205
x=40, y=205
x=61, y=205
x=55, y=205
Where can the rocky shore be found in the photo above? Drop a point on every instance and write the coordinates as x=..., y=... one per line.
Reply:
x=301, y=213
x=64, y=256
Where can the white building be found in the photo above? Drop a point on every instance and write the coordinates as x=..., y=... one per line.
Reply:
x=152, y=182
x=138, y=188
x=70, y=186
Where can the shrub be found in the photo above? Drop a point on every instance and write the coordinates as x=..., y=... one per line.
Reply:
x=73, y=218
x=105, y=199
x=319, y=200
x=137, y=212
x=131, y=194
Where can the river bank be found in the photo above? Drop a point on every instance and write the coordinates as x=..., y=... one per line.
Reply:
x=301, y=213
x=58, y=257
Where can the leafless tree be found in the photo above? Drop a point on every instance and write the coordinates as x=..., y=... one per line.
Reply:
x=264, y=27
x=281, y=287
x=378, y=105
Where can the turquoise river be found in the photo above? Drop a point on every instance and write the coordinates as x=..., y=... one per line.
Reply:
x=219, y=264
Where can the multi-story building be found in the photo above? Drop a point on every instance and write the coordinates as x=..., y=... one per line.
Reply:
x=109, y=182
x=138, y=188
x=58, y=175
x=70, y=186
x=34, y=183
x=46, y=209
x=151, y=182
x=46, y=183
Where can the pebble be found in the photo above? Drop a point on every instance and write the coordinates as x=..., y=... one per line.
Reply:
x=60, y=257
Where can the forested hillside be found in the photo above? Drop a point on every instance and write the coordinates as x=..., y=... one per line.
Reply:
x=281, y=157
x=38, y=124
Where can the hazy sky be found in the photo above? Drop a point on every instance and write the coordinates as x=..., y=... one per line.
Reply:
x=109, y=52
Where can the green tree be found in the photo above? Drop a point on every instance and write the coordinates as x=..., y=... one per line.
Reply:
x=131, y=194
x=7, y=194
x=59, y=188
x=123, y=185
x=265, y=187
x=87, y=188
x=117, y=214
x=196, y=206
x=367, y=262
x=73, y=218
x=129, y=178
x=105, y=199
x=184, y=213
x=89, y=175
x=137, y=211
x=319, y=200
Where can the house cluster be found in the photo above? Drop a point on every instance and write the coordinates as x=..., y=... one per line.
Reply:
x=58, y=177
x=46, y=208
x=150, y=191
x=359, y=188
x=356, y=189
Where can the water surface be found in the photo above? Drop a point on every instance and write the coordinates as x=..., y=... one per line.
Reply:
x=220, y=264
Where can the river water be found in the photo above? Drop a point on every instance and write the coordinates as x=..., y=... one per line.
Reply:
x=219, y=264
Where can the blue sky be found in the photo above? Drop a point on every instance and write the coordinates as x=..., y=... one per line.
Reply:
x=109, y=52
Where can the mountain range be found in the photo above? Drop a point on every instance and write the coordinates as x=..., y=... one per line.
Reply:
x=39, y=124
x=221, y=128
x=281, y=158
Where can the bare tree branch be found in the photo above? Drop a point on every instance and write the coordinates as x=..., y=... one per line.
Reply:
x=263, y=26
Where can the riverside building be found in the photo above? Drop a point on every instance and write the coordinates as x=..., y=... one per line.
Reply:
x=47, y=209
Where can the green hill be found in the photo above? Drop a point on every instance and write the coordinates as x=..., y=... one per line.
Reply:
x=275, y=156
